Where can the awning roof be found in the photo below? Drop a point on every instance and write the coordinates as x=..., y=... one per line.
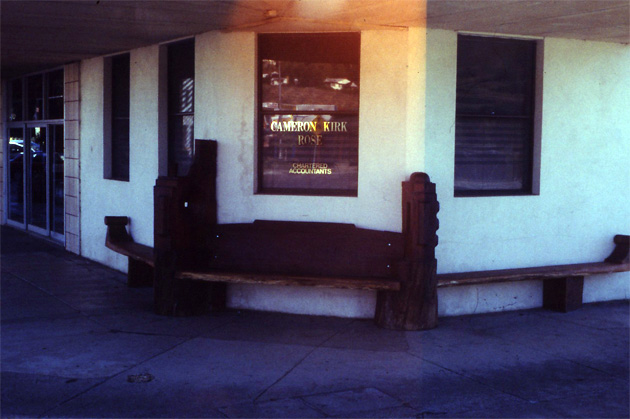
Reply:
x=37, y=35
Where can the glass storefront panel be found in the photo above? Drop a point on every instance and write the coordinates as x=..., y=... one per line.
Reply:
x=301, y=86
x=36, y=174
x=35, y=153
x=35, y=92
x=55, y=95
x=15, y=113
x=16, y=175
x=57, y=179
x=314, y=152
x=309, y=113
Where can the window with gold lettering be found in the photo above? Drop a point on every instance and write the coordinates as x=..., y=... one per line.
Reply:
x=308, y=114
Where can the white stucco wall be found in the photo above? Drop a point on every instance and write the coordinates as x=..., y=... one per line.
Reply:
x=99, y=196
x=584, y=180
x=406, y=124
x=225, y=104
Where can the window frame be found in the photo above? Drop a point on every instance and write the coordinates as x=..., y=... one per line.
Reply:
x=173, y=168
x=113, y=169
x=531, y=161
x=261, y=113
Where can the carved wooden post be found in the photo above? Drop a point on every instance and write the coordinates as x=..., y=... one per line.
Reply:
x=414, y=307
x=184, y=212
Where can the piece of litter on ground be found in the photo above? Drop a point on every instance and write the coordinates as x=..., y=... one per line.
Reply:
x=140, y=378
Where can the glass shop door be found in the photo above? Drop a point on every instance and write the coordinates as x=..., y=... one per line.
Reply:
x=36, y=179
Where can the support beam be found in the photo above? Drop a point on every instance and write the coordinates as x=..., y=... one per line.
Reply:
x=414, y=307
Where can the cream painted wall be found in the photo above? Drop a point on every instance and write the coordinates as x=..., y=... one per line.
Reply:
x=225, y=110
x=225, y=104
x=101, y=197
x=585, y=180
x=406, y=124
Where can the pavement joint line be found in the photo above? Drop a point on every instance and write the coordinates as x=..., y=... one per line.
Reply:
x=575, y=323
x=78, y=310
x=573, y=361
x=311, y=405
x=327, y=393
x=473, y=378
x=61, y=403
x=117, y=375
x=46, y=292
x=320, y=345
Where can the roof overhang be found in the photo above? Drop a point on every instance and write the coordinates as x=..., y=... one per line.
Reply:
x=38, y=35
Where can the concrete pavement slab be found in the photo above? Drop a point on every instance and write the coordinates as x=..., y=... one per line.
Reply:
x=73, y=336
x=606, y=350
x=589, y=315
x=142, y=319
x=33, y=395
x=88, y=355
x=507, y=365
x=252, y=326
x=362, y=335
x=610, y=403
x=329, y=370
x=194, y=378
x=39, y=261
x=25, y=330
x=342, y=403
x=286, y=408
x=21, y=300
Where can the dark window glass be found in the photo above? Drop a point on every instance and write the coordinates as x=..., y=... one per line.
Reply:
x=120, y=117
x=494, y=118
x=16, y=174
x=181, y=106
x=309, y=105
x=35, y=89
x=37, y=176
x=55, y=94
x=17, y=101
x=57, y=180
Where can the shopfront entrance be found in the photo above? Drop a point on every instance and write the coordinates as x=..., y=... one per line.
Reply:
x=36, y=178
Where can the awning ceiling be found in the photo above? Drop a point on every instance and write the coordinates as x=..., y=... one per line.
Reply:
x=37, y=35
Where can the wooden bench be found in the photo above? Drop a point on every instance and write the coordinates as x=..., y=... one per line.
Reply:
x=195, y=257
x=140, y=268
x=562, y=284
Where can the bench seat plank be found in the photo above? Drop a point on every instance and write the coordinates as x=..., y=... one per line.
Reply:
x=522, y=274
x=271, y=279
x=133, y=250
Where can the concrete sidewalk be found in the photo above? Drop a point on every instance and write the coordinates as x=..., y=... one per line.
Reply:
x=76, y=342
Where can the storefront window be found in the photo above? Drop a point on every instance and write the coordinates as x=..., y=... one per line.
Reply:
x=309, y=106
x=494, y=116
x=35, y=86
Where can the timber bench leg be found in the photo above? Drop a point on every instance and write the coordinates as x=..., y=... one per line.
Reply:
x=563, y=294
x=139, y=274
x=414, y=307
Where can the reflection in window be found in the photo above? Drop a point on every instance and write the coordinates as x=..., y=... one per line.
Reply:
x=494, y=116
x=35, y=89
x=308, y=104
x=55, y=95
x=181, y=107
x=17, y=103
x=36, y=97
x=16, y=175
x=300, y=86
x=120, y=105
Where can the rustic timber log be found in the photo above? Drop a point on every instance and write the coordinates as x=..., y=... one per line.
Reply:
x=621, y=253
x=562, y=284
x=414, y=307
x=184, y=213
x=195, y=257
x=140, y=257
